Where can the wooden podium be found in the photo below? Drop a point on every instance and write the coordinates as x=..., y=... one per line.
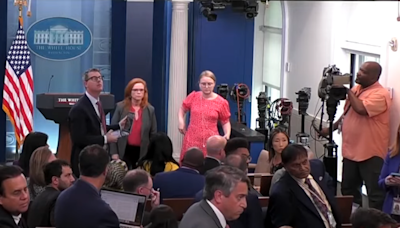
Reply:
x=56, y=106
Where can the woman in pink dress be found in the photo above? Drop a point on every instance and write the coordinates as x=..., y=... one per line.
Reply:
x=206, y=109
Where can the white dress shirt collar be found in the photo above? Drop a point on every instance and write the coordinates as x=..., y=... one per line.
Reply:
x=17, y=218
x=218, y=213
x=92, y=99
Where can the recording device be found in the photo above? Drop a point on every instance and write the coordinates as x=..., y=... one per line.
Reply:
x=303, y=98
x=286, y=110
x=262, y=105
x=239, y=93
x=48, y=86
x=331, y=90
x=223, y=90
x=126, y=130
x=332, y=84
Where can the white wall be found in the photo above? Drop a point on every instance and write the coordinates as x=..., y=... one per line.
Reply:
x=323, y=33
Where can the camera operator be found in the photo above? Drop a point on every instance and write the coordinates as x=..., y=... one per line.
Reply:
x=365, y=127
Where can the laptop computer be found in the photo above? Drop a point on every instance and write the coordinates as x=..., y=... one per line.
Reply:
x=129, y=207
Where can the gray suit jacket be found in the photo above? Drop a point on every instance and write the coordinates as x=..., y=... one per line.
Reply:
x=200, y=215
x=149, y=127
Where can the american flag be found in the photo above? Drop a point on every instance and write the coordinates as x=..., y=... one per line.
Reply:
x=18, y=86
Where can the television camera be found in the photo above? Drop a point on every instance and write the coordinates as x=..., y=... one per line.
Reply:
x=332, y=89
x=303, y=100
x=263, y=105
x=223, y=90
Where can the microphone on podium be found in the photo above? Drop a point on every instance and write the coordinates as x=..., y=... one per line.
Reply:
x=48, y=87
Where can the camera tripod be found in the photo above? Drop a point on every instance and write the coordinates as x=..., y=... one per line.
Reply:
x=330, y=148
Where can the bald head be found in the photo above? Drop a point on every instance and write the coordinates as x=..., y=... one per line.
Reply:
x=215, y=147
x=368, y=73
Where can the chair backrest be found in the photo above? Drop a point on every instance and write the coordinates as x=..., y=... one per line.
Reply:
x=148, y=205
x=179, y=206
x=265, y=183
x=345, y=205
x=264, y=200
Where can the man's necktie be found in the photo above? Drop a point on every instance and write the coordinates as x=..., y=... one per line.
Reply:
x=227, y=226
x=317, y=199
x=102, y=117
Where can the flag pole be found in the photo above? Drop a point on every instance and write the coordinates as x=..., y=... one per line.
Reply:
x=20, y=4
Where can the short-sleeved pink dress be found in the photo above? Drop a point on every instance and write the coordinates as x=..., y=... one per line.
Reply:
x=204, y=116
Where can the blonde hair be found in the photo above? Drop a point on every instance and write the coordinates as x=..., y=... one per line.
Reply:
x=396, y=145
x=208, y=73
x=39, y=159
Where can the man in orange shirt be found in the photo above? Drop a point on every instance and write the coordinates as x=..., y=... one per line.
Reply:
x=365, y=128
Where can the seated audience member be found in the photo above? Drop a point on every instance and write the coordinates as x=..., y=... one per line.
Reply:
x=159, y=156
x=40, y=157
x=371, y=218
x=32, y=141
x=225, y=193
x=389, y=183
x=270, y=160
x=139, y=182
x=184, y=182
x=239, y=146
x=80, y=206
x=58, y=177
x=299, y=199
x=317, y=170
x=117, y=170
x=162, y=216
x=252, y=215
x=14, y=197
x=215, y=152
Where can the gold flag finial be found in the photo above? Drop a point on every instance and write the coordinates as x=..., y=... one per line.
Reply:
x=21, y=4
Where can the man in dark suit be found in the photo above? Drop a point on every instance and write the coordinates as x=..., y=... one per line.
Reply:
x=86, y=119
x=80, y=206
x=184, y=182
x=299, y=199
x=215, y=153
x=252, y=216
x=58, y=177
x=14, y=197
x=139, y=181
x=317, y=170
x=224, y=200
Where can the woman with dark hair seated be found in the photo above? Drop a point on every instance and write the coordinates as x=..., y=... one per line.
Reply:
x=162, y=216
x=159, y=155
x=32, y=141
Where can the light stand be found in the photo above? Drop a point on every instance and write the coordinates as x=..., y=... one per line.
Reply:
x=330, y=158
x=303, y=97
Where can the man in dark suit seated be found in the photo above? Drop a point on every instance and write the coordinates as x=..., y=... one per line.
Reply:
x=184, y=182
x=215, y=153
x=80, y=206
x=14, y=197
x=317, y=170
x=252, y=216
x=139, y=182
x=224, y=200
x=298, y=199
x=86, y=120
x=58, y=177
